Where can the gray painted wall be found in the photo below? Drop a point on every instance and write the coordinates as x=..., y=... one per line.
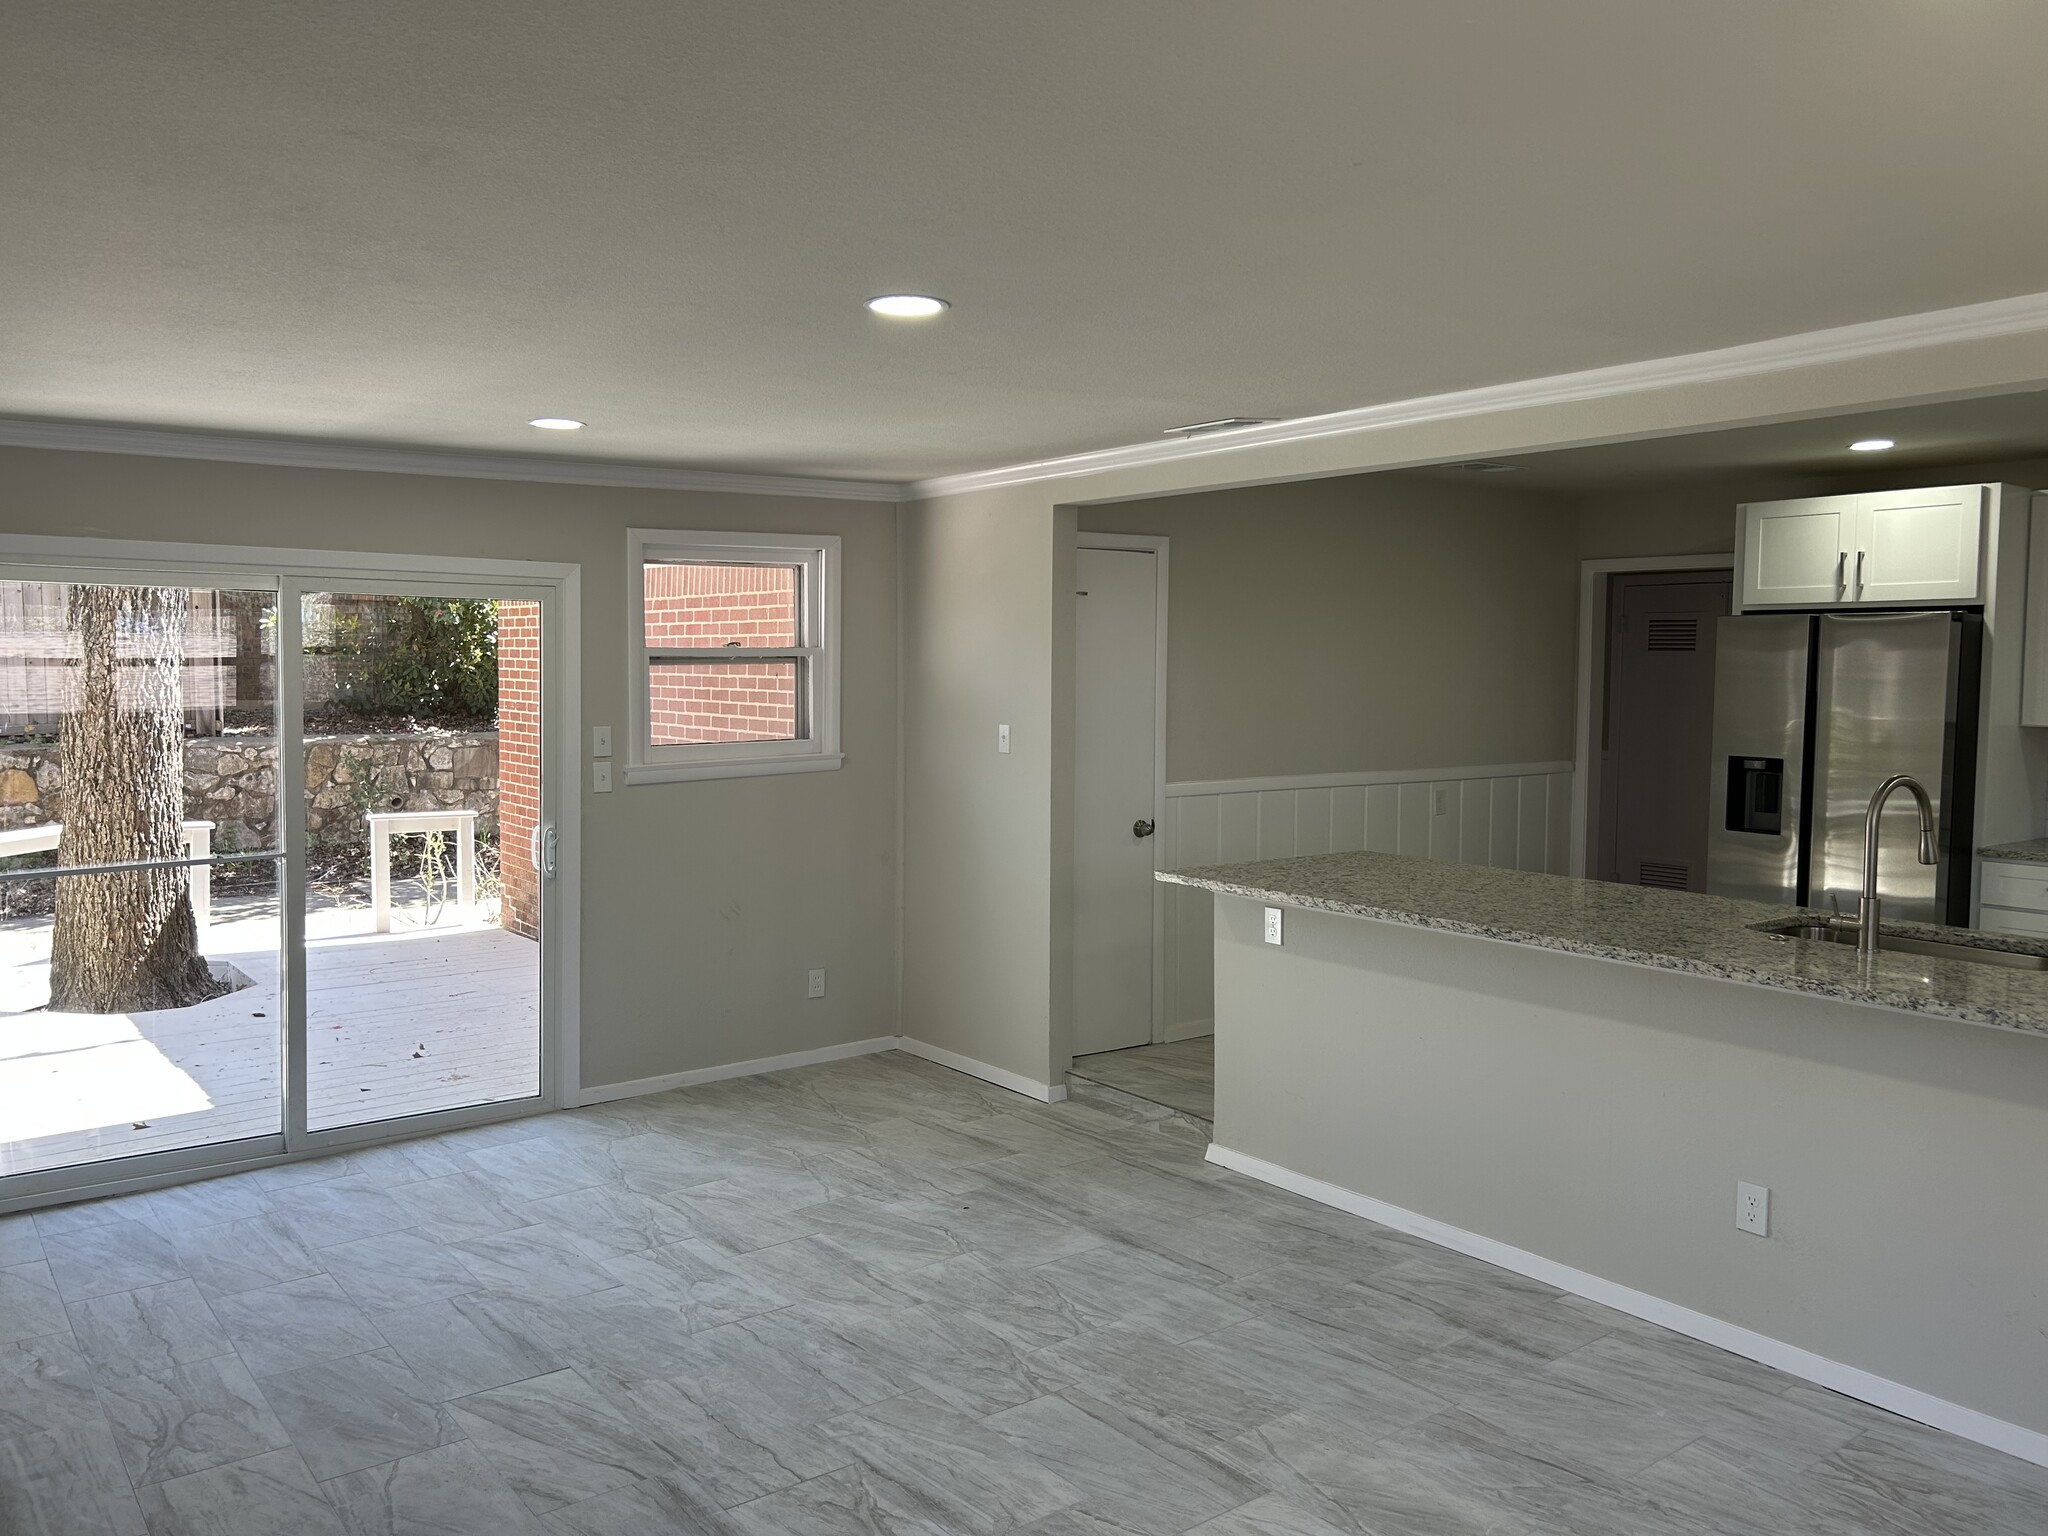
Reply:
x=704, y=903
x=1367, y=622
x=1110, y=497
x=1601, y=1114
x=987, y=639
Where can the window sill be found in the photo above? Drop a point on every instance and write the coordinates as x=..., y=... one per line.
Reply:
x=731, y=768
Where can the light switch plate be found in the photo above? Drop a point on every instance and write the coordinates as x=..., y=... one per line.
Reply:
x=600, y=741
x=601, y=778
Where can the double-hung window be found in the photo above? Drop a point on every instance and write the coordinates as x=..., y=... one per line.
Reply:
x=735, y=647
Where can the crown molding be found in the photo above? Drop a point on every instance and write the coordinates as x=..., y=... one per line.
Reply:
x=311, y=453
x=1847, y=343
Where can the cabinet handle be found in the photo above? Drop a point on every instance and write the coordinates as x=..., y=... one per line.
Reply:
x=1859, y=573
x=1842, y=571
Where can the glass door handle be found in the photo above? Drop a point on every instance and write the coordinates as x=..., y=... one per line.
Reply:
x=542, y=851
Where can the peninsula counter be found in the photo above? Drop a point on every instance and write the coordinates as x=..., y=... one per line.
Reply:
x=1569, y=1077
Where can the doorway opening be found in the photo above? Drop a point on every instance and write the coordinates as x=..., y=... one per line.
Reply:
x=1181, y=1074
x=1649, y=726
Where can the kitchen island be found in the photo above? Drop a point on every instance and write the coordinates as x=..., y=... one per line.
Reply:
x=1569, y=1078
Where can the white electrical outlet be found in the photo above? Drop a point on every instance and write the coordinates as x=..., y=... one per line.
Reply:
x=1753, y=1209
x=1272, y=925
x=817, y=982
x=601, y=778
x=600, y=741
x=1002, y=738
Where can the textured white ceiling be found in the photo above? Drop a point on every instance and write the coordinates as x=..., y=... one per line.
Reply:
x=424, y=222
x=1994, y=429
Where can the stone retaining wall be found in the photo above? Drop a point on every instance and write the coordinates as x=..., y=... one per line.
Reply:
x=232, y=780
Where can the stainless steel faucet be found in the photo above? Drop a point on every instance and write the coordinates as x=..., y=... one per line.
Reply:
x=1867, y=909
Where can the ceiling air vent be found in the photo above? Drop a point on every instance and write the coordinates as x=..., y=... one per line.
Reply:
x=1485, y=466
x=1664, y=877
x=1674, y=634
x=1220, y=424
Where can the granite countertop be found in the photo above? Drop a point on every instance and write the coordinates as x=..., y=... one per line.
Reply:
x=1669, y=930
x=2031, y=850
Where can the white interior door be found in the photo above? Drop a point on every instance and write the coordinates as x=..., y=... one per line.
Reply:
x=1115, y=775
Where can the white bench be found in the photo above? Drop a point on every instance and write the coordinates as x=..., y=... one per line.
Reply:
x=385, y=825
x=197, y=837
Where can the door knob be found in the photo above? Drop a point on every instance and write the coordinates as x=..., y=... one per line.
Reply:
x=1141, y=829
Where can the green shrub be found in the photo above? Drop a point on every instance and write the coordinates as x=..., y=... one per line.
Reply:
x=430, y=657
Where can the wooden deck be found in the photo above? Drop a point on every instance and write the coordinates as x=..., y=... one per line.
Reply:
x=418, y=1019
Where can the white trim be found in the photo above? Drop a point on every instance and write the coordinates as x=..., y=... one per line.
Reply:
x=312, y=453
x=562, y=794
x=818, y=615
x=231, y=559
x=1157, y=545
x=1189, y=1029
x=1873, y=338
x=1186, y=787
x=1593, y=576
x=1031, y=1088
x=1850, y=1381
x=730, y=768
x=604, y=1093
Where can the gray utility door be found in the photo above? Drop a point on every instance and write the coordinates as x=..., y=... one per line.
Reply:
x=1115, y=724
x=1658, y=727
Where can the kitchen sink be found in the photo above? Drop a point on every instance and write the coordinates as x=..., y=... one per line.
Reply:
x=1902, y=944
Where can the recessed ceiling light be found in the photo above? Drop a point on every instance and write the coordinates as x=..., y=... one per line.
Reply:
x=556, y=423
x=907, y=306
x=1870, y=445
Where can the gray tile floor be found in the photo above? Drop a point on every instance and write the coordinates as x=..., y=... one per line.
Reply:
x=1180, y=1074
x=875, y=1297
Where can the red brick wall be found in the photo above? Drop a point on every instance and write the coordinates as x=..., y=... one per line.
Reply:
x=518, y=764
x=709, y=607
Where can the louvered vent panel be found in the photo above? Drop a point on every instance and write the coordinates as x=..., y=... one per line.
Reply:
x=1665, y=877
x=1674, y=634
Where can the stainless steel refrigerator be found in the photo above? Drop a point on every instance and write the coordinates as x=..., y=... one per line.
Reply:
x=1811, y=713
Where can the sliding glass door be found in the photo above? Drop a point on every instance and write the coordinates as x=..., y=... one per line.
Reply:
x=140, y=971
x=275, y=865
x=421, y=709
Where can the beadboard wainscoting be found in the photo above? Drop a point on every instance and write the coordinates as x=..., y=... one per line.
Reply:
x=1510, y=815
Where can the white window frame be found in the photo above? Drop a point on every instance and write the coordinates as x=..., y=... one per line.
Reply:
x=818, y=621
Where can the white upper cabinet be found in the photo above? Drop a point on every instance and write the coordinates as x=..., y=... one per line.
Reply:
x=1884, y=547
x=1919, y=546
x=1797, y=552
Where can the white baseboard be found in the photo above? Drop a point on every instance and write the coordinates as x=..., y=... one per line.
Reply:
x=1045, y=1093
x=605, y=1092
x=1188, y=1029
x=1896, y=1397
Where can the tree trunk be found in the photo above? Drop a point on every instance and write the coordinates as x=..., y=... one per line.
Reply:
x=126, y=943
